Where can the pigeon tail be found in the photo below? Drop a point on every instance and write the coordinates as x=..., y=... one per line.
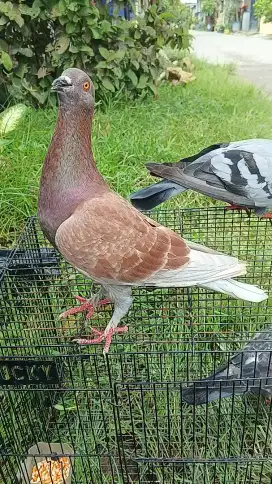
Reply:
x=221, y=384
x=237, y=289
x=152, y=196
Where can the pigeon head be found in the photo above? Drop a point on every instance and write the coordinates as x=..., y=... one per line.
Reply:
x=75, y=88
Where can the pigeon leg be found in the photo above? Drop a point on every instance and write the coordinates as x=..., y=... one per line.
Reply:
x=267, y=215
x=87, y=305
x=122, y=300
x=237, y=207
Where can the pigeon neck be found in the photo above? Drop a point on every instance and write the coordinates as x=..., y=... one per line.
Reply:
x=69, y=173
x=70, y=152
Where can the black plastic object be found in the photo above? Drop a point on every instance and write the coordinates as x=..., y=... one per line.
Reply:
x=27, y=263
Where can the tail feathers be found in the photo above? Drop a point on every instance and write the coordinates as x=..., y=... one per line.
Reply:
x=237, y=289
x=221, y=384
x=206, y=391
x=152, y=196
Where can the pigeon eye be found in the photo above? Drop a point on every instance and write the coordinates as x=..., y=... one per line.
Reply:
x=86, y=86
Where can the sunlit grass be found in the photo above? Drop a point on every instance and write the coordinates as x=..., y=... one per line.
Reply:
x=216, y=107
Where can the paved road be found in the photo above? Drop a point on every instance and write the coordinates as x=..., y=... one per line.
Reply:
x=251, y=54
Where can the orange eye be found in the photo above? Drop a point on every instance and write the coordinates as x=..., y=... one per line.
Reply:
x=86, y=86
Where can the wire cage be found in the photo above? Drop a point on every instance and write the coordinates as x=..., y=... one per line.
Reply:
x=123, y=415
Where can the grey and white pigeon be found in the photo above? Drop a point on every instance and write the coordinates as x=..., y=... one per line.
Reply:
x=103, y=236
x=249, y=371
x=239, y=173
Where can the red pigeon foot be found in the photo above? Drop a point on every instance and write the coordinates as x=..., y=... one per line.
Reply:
x=267, y=215
x=85, y=306
x=101, y=336
x=237, y=207
x=268, y=401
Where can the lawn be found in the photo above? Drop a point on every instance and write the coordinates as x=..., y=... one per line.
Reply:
x=130, y=404
x=216, y=107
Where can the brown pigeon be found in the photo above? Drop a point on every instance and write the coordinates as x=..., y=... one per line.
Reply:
x=105, y=237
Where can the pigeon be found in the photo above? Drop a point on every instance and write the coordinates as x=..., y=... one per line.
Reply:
x=249, y=371
x=239, y=173
x=103, y=236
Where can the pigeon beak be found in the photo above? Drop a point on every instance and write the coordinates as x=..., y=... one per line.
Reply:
x=62, y=82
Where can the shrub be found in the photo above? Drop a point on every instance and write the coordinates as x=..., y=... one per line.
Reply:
x=263, y=8
x=209, y=7
x=40, y=38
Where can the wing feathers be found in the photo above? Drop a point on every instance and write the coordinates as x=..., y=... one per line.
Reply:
x=240, y=173
x=112, y=242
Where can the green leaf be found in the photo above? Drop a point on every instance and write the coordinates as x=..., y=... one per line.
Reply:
x=3, y=45
x=17, y=82
x=108, y=84
x=11, y=117
x=45, y=83
x=87, y=37
x=62, y=44
x=154, y=71
x=59, y=407
x=55, y=12
x=87, y=49
x=150, y=31
x=153, y=88
x=104, y=52
x=160, y=41
x=6, y=61
x=21, y=70
x=73, y=49
x=130, y=42
x=62, y=20
x=135, y=64
x=39, y=95
x=85, y=12
x=70, y=28
x=167, y=16
x=75, y=19
x=120, y=54
x=73, y=6
x=101, y=65
x=26, y=51
x=142, y=82
x=25, y=10
x=118, y=72
x=106, y=26
x=3, y=20
x=62, y=6
x=132, y=77
x=19, y=20
x=96, y=33
x=49, y=48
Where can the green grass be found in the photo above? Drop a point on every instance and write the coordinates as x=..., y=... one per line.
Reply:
x=216, y=107
x=160, y=347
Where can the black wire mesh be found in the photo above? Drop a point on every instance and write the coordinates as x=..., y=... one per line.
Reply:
x=123, y=414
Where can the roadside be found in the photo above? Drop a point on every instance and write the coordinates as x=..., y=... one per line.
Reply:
x=252, y=55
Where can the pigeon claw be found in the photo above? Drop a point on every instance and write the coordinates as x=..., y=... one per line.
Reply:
x=101, y=336
x=237, y=207
x=267, y=215
x=85, y=306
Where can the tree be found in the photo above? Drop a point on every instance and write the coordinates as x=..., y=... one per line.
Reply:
x=263, y=8
x=209, y=7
